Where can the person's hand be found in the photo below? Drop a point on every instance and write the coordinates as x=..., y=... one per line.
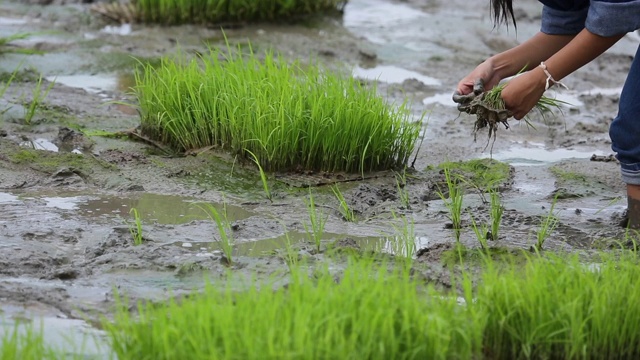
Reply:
x=523, y=92
x=484, y=72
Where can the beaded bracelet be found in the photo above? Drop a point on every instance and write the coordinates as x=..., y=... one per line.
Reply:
x=550, y=80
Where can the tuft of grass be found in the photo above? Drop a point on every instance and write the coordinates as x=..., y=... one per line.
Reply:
x=484, y=174
x=549, y=223
x=482, y=233
x=224, y=230
x=370, y=313
x=36, y=101
x=136, y=228
x=170, y=12
x=453, y=202
x=497, y=210
x=263, y=176
x=317, y=220
x=404, y=243
x=403, y=194
x=558, y=307
x=289, y=116
x=24, y=342
x=345, y=210
x=7, y=47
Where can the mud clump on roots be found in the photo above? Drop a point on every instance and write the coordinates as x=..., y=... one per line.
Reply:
x=483, y=106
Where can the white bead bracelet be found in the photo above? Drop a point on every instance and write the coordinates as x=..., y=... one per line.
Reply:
x=550, y=80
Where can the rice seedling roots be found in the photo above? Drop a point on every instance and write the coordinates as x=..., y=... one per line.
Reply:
x=487, y=116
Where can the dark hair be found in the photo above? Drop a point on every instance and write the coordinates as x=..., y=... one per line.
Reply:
x=502, y=10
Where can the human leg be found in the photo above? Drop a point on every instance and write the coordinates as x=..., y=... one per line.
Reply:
x=625, y=139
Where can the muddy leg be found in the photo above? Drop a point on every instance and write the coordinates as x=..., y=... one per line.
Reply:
x=633, y=209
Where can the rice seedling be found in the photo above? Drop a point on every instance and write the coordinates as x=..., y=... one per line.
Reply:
x=370, y=313
x=549, y=224
x=224, y=230
x=7, y=47
x=36, y=101
x=490, y=109
x=482, y=233
x=558, y=307
x=135, y=229
x=172, y=12
x=345, y=210
x=453, y=202
x=22, y=341
x=403, y=194
x=317, y=220
x=288, y=116
x=404, y=242
x=263, y=176
x=497, y=210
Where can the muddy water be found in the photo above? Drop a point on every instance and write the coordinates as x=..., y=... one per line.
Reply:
x=65, y=226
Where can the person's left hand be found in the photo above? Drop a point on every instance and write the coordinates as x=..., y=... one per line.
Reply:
x=523, y=92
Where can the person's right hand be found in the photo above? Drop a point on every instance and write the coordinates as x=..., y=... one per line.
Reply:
x=484, y=71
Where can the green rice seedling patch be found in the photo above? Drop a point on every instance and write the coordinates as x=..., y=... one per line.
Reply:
x=568, y=176
x=483, y=174
x=172, y=12
x=290, y=118
x=370, y=313
x=558, y=307
x=522, y=307
x=23, y=342
x=19, y=76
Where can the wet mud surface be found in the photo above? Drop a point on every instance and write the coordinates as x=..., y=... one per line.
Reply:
x=66, y=193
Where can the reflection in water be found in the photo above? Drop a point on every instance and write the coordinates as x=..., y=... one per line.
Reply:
x=96, y=83
x=161, y=209
x=265, y=247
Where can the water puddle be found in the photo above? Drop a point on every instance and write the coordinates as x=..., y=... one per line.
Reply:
x=40, y=144
x=266, y=247
x=95, y=84
x=393, y=75
x=532, y=154
x=8, y=198
x=153, y=208
x=75, y=338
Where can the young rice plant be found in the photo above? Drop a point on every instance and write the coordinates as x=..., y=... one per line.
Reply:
x=289, y=116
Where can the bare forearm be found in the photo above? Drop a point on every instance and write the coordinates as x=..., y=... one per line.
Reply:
x=585, y=47
x=530, y=53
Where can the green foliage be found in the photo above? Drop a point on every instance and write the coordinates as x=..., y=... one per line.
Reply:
x=136, y=228
x=345, y=210
x=484, y=174
x=317, y=220
x=549, y=223
x=543, y=308
x=36, y=101
x=561, y=308
x=290, y=118
x=25, y=343
x=263, y=176
x=453, y=201
x=371, y=313
x=218, y=11
x=224, y=230
x=497, y=211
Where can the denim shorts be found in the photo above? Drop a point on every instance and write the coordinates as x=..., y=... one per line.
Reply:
x=625, y=128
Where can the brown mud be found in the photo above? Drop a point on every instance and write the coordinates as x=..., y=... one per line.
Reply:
x=66, y=194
